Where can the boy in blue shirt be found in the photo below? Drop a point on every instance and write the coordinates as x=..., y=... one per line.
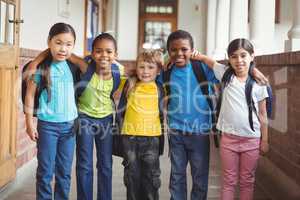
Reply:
x=189, y=119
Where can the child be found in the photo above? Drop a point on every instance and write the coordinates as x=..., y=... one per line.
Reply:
x=240, y=144
x=96, y=107
x=142, y=128
x=56, y=114
x=188, y=119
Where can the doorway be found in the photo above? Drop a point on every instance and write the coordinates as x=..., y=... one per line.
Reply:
x=9, y=54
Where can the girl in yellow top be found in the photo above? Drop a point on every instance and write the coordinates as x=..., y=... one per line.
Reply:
x=141, y=128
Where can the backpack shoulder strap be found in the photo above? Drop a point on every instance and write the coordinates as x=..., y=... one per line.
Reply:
x=120, y=111
x=248, y=93
x=269, y=101
x=166, y=76
x=75, y=71
x=85, y=79
x=200, y=76
x=116, y=78
x=161, y=95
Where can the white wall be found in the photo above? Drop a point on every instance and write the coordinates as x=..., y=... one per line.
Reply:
x=281, y=29
x=40, y=15
x=127, y=26
x=192, y=17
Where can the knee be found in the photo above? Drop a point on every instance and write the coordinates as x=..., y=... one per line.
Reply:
x=230, y=180
x=247, y=180
x=154, y=176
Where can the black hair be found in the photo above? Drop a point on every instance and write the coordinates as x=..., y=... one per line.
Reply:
x=104, y=36
x=59, y=28
x=240, y=43
x=180, y=34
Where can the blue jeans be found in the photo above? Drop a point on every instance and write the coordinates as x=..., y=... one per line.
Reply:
x=91, y=129
x=55, y=155
x=194, y=149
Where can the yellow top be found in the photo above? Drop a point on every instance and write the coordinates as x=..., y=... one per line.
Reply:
x=142, y=112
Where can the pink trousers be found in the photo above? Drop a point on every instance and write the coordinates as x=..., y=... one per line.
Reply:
x=239, y=157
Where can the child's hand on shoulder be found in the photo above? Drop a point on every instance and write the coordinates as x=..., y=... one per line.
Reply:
x=264, y=147
x=196, y=55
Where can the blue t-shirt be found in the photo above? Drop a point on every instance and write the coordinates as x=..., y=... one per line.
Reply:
x=188, y=110
x=62, y=106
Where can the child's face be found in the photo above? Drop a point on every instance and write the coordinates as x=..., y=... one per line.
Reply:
x=180, y=52
x=104, y=53
x=240, y=61
x=146, y=72
x=61, y=46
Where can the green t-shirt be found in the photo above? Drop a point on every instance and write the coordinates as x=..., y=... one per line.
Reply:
x=95, y=100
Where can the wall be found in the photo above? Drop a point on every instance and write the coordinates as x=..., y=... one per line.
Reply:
x=39, y=16
x=282, y=28
x=192, y=17
x=127, y=26
x=279, y=171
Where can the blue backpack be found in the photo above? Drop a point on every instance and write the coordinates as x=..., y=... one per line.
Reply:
x=248, y=93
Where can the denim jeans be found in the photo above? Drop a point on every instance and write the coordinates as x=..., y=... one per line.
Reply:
x=141, y=167
x=90, y=130
x=192, y=148
x=55, y=147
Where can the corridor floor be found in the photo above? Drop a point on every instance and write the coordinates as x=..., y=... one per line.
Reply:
x=23, y=188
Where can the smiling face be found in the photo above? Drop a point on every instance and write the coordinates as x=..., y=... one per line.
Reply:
x=104, y=53
x=61, y=46
x=180, y=52
x=240, y=61
x=146, y=72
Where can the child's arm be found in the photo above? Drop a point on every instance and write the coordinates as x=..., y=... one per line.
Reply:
x=259, y=77
x=35, y=62
x=212, y=63
x=29, y=106
x=80, y=62
x=262, y=115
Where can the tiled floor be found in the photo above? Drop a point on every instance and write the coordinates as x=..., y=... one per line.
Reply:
x=23, y=187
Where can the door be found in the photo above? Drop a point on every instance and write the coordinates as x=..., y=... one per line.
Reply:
x=158, y=18
x=9, y=31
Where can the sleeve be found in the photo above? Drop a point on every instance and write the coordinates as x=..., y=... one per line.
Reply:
x=36, y=77
x=210, y=75
x=219, y=70
x=260, y=92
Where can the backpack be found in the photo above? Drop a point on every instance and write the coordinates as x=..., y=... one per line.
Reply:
x=204, y=86
x=42, y=84
x=248, y=93
x=117, y=148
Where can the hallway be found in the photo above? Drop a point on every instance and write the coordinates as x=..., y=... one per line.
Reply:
x=24, y=186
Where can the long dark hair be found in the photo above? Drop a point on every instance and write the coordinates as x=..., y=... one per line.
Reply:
x=240, y=43
x=56, y=29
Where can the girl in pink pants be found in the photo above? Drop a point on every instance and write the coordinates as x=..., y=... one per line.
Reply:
x=244, y=135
